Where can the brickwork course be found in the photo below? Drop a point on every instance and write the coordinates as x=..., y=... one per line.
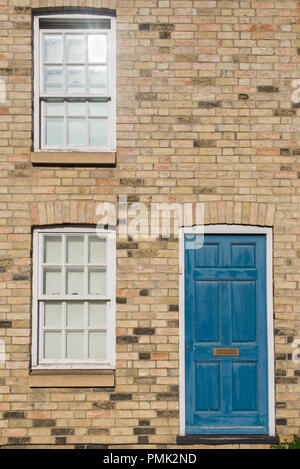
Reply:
x=204, y=114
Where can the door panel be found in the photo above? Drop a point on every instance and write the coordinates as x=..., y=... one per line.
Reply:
x=207, y=378
x=226, y=334
x=243, y=295
x=207, y=323
x=244, y=386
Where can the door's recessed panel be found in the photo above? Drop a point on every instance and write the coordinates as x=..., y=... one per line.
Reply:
x=242, y=255
x=206, y=311
x=243, y=311
x=244, y=386
x=207, y=256
x=207, y=392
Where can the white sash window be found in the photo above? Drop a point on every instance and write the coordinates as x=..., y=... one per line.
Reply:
x=74, y=298
x=74, y=83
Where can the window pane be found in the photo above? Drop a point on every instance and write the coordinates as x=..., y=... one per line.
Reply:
x=52, y=344
x=75, y=344
x=76, y=132
x=53, y=79
x=75, y=78
x=52, y=314
x=74, y=49
x=97, y=250
x=54, y=108
x=97, y=282
x=98, y=132
x=54, y=131
x=52, y=281
x=75, y=314
x=76, y=109
x=97, y=109
x=52, y=249
x=75, y=281
x=97, y=345
x=97, y=314
x=75, y=249
x=53, y=48
x=97, y=78
x=97, y=48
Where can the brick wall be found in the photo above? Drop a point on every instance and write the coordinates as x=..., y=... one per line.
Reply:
x=204, y=115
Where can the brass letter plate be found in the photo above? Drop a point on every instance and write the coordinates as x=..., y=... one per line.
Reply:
x=226, y=352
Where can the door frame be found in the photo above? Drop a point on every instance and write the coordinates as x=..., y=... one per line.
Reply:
x=227, y=229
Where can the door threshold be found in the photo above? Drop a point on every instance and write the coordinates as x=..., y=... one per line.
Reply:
x=227, y=439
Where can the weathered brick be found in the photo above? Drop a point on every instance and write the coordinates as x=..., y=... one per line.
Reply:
x=167, y=397
x=125, y=339
x=281, y=422
x=107, y=405
x=170, y=414
x=120, y=397
x=144, y=431
x=205, y=143
x=121, y=300
x=268, y=89
x=14, y=415
x=5, y=324
x=143, y=331
x=202, y=81
x=162, y=27
x=144, y=380
x=98, y=431
x=144, y=356
x=44, y=423
x=209, y=104
x=280, y=405
x=62, y=431
x=18, y=441
x=285, y=151
x=20, y=277
x=164, y=35
x=285, y=112
x=146, y=96
x=134, y=182
x=60, y=440
x=144, y=423
x=144, y=27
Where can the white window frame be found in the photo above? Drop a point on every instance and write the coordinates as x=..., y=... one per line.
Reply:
x=110, y=298
x=39, y=146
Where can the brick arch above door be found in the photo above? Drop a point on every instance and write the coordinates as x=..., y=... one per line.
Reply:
x=66, y=211
x=239, y=213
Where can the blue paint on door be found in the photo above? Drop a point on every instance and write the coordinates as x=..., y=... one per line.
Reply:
x=225, y=307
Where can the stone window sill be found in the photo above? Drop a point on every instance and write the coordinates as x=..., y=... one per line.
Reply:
x=71, y=378
x=73, y=158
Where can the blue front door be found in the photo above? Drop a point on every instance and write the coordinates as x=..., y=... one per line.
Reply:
x=226, y=387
